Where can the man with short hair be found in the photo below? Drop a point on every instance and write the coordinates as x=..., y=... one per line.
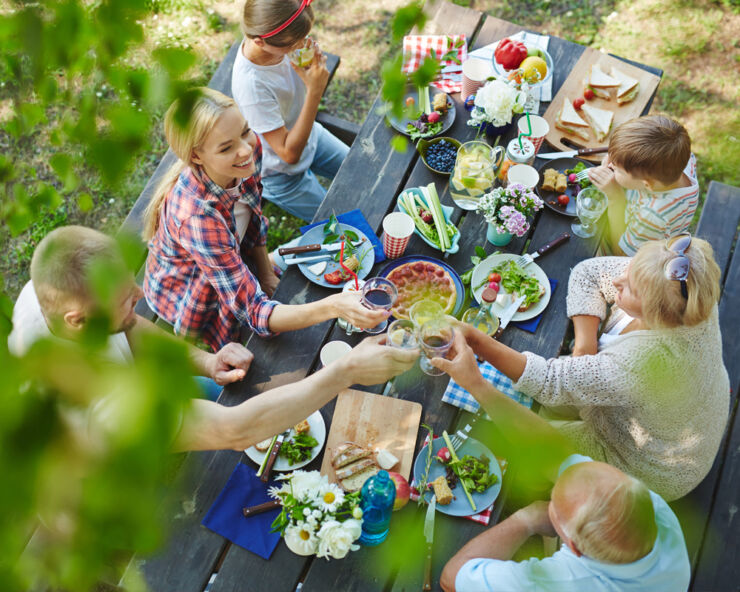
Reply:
x=616, y=533
x=59, y=302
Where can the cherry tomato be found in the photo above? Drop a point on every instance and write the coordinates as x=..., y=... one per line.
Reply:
x=588, y=94
x=494, y=277
x=410, y=101
x=578, y=103
x=563, y=199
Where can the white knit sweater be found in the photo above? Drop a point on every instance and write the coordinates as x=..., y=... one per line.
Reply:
x=656, y=400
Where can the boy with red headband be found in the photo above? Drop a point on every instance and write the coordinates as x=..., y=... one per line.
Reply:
x=280, y=101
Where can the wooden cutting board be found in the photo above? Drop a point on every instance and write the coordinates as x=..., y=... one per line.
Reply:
x=374, y=421
x=572, y=88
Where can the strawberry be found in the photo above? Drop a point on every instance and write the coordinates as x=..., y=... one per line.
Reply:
x=433, y=117
x=578, y=103
x=589, y=94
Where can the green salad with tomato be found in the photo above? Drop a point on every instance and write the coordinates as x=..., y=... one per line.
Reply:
x=515, y=280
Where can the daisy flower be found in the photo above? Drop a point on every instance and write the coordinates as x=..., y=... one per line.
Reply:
x=331, y=497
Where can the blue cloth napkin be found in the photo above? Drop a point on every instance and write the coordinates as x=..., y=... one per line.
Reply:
x=459, y=397
x=225, y=516
x=356, y=219
x=531, y=324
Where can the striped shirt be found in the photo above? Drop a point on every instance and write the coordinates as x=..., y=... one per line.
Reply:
x=196, y=278
x=658, y=215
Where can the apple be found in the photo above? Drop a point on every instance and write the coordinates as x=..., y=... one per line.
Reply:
x=403, y=490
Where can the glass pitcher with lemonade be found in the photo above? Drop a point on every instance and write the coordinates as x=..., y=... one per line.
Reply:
x=475, y=173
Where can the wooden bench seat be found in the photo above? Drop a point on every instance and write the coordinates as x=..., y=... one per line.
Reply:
x=707, y=514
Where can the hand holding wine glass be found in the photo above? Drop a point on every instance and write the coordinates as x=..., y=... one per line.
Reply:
x=435, y=338
x=379, y=294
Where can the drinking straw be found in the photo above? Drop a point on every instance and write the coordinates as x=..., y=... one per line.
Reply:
x=529, y=125
x=347, y=269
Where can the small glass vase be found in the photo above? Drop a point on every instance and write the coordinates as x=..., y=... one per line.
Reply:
x=500, y=239
x=491, y=130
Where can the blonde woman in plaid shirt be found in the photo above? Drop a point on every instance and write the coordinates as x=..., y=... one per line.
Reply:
x=207, y=213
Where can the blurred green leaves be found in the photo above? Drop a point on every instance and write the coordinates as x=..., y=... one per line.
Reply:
x=84, y=445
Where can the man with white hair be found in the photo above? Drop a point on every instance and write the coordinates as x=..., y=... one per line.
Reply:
x=616, y=533
x=60, y=303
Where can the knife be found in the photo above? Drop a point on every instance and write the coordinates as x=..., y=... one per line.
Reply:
x=298, y=260
x=330, y=248
x=429, y=536
x=507, y=314
x=528, y=258
x=571, y=153
x=272, y=456
x=260, y=508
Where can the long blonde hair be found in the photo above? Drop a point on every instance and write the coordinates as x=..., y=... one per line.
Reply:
x=262, y=16
x=208, y=105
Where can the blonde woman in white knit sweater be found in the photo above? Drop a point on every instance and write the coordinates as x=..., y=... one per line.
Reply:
x=652, y=392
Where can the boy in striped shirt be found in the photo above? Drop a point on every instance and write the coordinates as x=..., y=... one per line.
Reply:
x=649, y=177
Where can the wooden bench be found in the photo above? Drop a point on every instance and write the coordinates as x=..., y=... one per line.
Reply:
x=221, y=81
x=707, y=514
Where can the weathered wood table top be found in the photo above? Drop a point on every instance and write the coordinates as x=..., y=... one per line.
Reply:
x=371, y=178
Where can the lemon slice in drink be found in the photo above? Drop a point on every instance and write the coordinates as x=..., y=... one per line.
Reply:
x=474, y=192
x=470, y=182
x=457, y=184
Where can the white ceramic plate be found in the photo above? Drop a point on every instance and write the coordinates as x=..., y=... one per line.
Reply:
x=486, y=266
x=318, y=431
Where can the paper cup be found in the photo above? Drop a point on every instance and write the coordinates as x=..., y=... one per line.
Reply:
x=334, y=350
x=524, y=175
x=397, y=230
x=475, y=72
x=540, y=128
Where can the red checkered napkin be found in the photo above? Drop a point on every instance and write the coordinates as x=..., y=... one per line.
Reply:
x=417, y=47
x=482, y=517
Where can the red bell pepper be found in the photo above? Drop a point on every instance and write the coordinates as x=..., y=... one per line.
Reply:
x=510, y=53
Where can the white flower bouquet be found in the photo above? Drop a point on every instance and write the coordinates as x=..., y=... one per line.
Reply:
x=496, y=102
x=508, y=208
x=317, y=517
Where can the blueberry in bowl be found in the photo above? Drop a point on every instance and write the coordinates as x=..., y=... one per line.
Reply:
x=439, y=154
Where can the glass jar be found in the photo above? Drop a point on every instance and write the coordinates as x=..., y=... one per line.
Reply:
x=516, y=155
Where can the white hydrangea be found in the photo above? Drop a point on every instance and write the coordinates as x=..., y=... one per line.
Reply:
x=496, y=102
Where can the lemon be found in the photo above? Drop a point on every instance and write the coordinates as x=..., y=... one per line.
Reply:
x=469, y=182
x=534, y=69
x=457, y=184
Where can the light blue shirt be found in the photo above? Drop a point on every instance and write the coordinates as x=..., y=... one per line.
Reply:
x=665, y=569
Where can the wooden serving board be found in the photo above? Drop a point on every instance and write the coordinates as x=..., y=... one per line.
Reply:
x=572, y=88
x=374, y=421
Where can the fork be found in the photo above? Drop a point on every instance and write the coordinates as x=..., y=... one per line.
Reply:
x=461, y=436
x=527, y=258
x=582, y=175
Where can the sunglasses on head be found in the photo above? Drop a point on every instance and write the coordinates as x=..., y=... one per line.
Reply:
x=678, y=267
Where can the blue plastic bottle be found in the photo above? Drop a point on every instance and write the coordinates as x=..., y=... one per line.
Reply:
x=378, y=495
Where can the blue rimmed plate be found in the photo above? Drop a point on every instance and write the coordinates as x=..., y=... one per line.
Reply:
x=459, y=287
x=365, y=253
x=460, y=506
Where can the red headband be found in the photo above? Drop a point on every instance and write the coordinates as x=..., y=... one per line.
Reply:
x=286, y=24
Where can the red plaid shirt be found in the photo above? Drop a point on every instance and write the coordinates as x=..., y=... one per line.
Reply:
x=196, y=278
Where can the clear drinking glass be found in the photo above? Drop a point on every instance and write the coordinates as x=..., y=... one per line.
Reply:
x=402, y=334
x=379, y=294
x=482, y=319
x=590, y=206
x=474, y=174
x=425, y=310
x=303, y=56
x=435, y=338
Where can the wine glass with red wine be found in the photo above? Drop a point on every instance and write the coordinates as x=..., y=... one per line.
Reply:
x=435, y=338
x=379, y=294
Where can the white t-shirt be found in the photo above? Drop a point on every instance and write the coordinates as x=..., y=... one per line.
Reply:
x=242, y=212
x=665, y=569
x=29, y=325
x=269, y=98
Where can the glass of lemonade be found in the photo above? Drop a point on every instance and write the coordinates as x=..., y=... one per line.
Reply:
x=590, y=206
x=423, y=311
x=402, y=334
x=303, y=56
x=474, y=173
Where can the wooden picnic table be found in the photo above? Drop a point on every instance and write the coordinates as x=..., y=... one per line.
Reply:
x=371, y=178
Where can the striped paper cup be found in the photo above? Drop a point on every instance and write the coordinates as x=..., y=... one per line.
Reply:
x=397, y=230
